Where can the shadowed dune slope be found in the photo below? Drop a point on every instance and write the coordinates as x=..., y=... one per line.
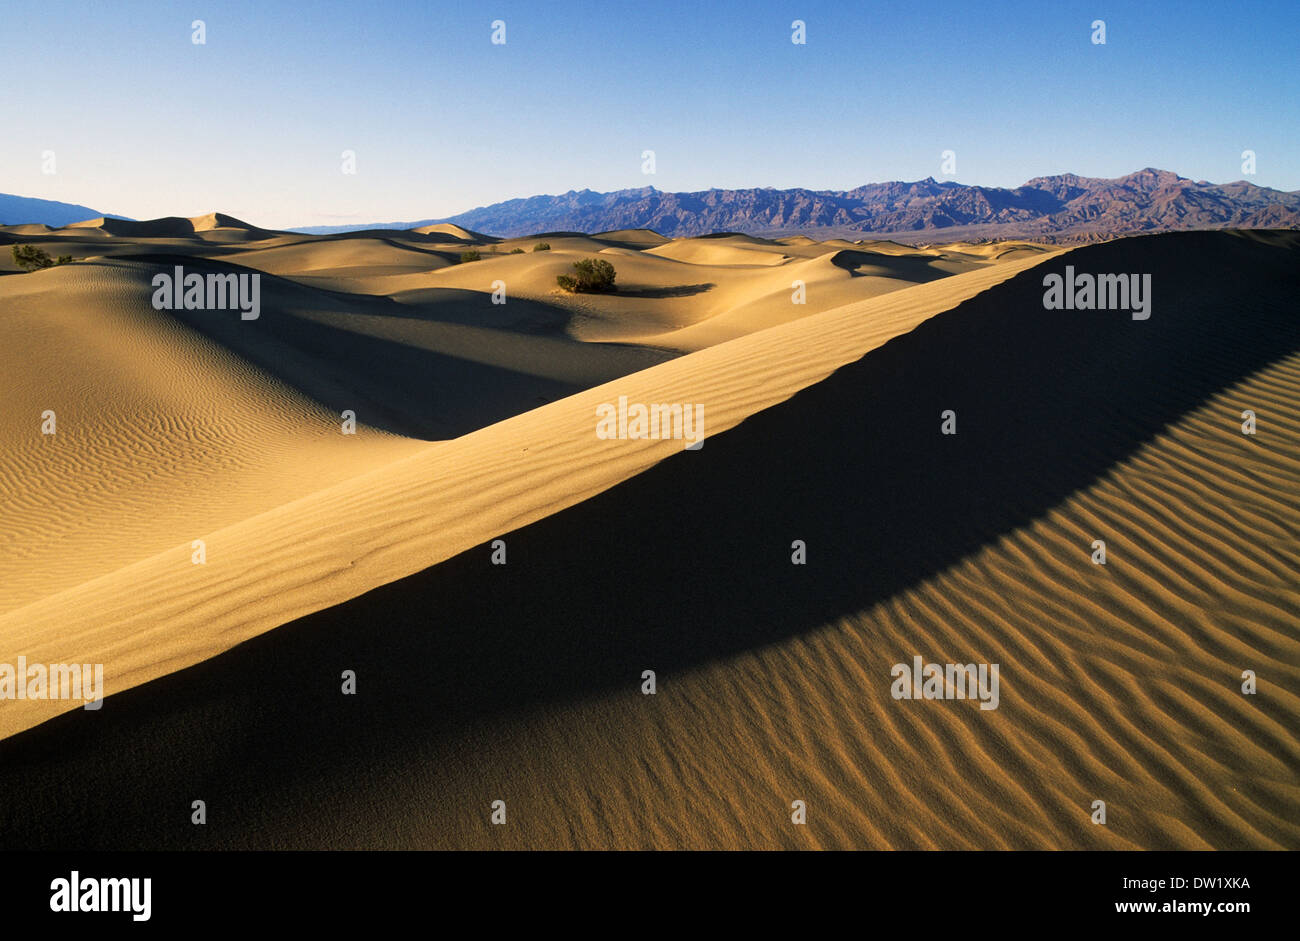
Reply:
x=522, y=682
x=408, y=369
x=214, y=226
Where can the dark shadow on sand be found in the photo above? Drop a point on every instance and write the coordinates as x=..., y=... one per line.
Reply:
x=677, y=290
x=401, y=387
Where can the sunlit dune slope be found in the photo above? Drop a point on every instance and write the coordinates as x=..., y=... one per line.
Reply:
x=160, y=434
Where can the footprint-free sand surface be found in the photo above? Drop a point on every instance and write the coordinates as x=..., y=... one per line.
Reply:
x=523, y=682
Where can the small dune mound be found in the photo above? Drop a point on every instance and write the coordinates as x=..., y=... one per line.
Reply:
x=722, y=251
x=219, y=227
x=213, y=227
x=735, y=237
x=456, y=232
x=909, y=267
x=1012, y=250
x=887, y=247
x=632, y=238
x=29, y=229
x=168, y=227
x=219, y=220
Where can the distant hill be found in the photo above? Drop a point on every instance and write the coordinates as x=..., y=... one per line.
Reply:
x=22, y=210
x=1046, y=208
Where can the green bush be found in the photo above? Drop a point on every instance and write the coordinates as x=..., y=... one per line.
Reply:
x=542, y=247
x=31, y=258
x=593, y=276
x=471, y=255
x=516, y=251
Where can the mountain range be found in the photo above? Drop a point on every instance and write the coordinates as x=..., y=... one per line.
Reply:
x=1063, y=208
x=1050, y=208
x=21, y=210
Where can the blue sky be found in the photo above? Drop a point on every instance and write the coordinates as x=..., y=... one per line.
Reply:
x=144, y=123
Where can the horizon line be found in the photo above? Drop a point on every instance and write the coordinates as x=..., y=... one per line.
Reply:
x=428, y=220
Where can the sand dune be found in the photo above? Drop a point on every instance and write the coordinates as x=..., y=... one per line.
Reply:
x=36, y=228
x=384, y=324
x=455, y=232
x=159, y=432
x=675, y=296
x=1119, y=682
x=213, y=226
x=451, y=496
x=343, y=258
x=632, y=237
x=735, y=250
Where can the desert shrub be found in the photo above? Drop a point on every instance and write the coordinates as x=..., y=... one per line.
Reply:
x=516, y=251
x=31, y=258
x=591, y=276
x=471, y=255
x=542, y=247
x=63, y=260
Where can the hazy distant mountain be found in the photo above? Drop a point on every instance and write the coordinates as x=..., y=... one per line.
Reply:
x=1045, y=207
x=21, y=210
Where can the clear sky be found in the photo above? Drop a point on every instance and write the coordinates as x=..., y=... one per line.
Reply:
x=144, y=123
